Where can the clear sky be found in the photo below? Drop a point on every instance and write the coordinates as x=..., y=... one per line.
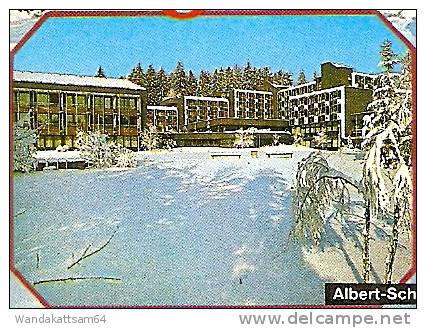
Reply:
x=80, y=45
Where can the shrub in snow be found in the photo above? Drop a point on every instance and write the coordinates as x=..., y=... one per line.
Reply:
x=244, y=138
x=275, y=140
x=320, y=140
x=150, y=139
x=166, y=142
x=102, y=152
x=24, y=139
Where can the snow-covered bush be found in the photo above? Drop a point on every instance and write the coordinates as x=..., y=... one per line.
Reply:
x=319, y=190
x=244, y=138
x=24, y=149
x=275, y=140
x=102, y=152
x=166, y=142
x=150, y=139
x=320, y=140
x=126, y=158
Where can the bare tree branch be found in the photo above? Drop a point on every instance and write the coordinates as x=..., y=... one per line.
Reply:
x=85, y=255
x=74, y=279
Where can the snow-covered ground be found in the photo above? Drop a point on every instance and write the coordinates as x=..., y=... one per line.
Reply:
x=191, y=230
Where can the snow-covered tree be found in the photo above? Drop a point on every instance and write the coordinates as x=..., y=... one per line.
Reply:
x=320, y=140
x=249, y=77
x=153, y=87
x=275, y=139
x=244, y=138
x=283, y=78
x=163, y=81
x=137, y=75
x=387, y=140
x=100, y=72
x=24, y=149
x=319, y=191
x=386, y=184
x=191, y=84
x=388, y=58
x=178, y=80
x=301, y=79
x=103, y=152
x=204, y=87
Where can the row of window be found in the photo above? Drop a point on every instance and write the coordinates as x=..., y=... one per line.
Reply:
x=51, y=142
x=62, y=121
x=163, y=120
x=25, y=99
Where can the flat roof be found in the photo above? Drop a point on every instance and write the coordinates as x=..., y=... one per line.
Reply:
x=74, y=80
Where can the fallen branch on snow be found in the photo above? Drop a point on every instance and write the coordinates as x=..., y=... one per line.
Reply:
x=85, y=255
x=74, y=279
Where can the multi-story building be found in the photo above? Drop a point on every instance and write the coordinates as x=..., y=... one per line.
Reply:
x=332, y=105
x=60, y=105
x=198, y=109
x=252, y=104
x=164, y=118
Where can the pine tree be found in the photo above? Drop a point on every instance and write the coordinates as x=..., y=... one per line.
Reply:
x=163, y=81
x=178, y=81
x=237, y=77
x=301, y=78
x=387, y=141
x=100, y=72
x=263, y=74
x=153, y=86
x=204, y=86
x=137, y=75
x=249, y=77
x=388, y=57
x=191, y=83
x=282, y=78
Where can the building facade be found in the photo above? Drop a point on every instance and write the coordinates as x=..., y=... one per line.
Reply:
x=332, y=106
x=60, y=105
x=163, y=118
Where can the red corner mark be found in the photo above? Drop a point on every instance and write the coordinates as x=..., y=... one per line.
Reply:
x=187, y=15
x=183, y=14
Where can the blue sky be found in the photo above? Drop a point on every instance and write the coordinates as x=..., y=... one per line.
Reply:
x=80, y=45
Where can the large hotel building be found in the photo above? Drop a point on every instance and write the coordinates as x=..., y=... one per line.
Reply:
x=58, y=105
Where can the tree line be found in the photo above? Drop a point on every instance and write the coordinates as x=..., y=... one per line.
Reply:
x=220, y=82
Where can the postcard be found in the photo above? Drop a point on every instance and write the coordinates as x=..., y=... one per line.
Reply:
x=212, y=158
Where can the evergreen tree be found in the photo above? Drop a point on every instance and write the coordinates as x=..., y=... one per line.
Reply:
x=153, y=86
x=263, y=74
x=249, y=77
x=178, y=81
x=283, y=78
x=100, y=72
x=388, y=57
x=163, y=81
x=302, y=78
x=204, y=86
x=191, y=84
x=237, y=77
x=137, y=75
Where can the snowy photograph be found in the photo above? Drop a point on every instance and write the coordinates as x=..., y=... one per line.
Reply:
x=240, y=159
